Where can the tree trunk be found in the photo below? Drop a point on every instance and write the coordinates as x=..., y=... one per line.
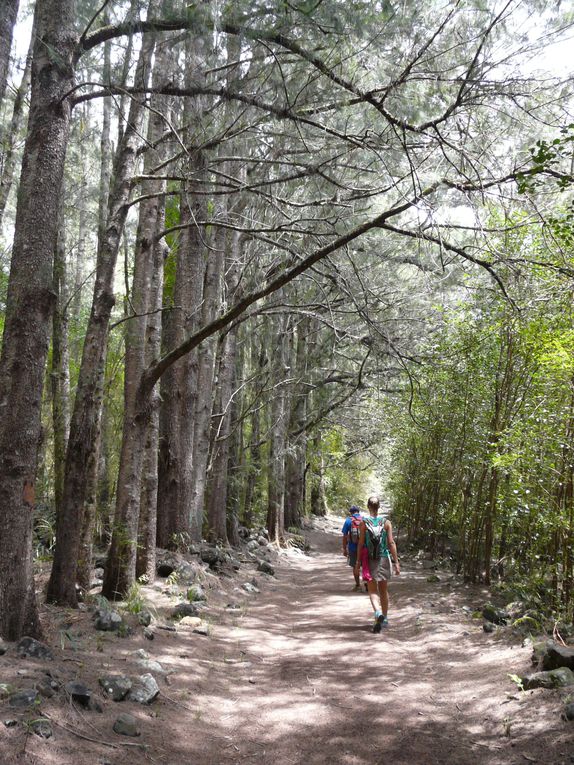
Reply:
x=59, y=371
x=254, y=481
x=222, y=416
x=28, y=311
x=278, y=437
x=8, y=14
x=318, y=498
x=297, y=452
x=179, y=388
x=8, y=140
x=85, y=418
x=138, y=422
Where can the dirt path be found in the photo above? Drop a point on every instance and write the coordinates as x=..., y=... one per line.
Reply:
x=297, y=677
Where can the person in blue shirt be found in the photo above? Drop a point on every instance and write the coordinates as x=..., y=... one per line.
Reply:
x=351, y=531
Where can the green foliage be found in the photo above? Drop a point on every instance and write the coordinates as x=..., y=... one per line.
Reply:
x=134, y=601
x=483, y=466
x=548, y=156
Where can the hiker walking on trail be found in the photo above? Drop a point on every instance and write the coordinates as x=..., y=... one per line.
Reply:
x=376, y=535
x=351, y=532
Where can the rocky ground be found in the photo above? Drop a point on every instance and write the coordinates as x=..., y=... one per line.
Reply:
x=265, y=658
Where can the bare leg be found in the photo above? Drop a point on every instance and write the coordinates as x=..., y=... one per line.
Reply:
x=384, y=596
x=374, y=595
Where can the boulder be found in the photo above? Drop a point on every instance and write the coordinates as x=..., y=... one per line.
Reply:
x=252, y=545
x=266, y=567
x=45, y=689
x=569, y=711
x=557, y=656
x=493, y=614
x=42, y=728
x=26, y=697
x=190, y=621
x=144, y=690
x=171, y=562
x=488, y=627
x=184, y=609
x=196, y=594
x=116, y=686
x=126, y=725
x=152, y=666
x=79, y=693
x=215, y=557
x=3, y=647
x=107, y=621
x=149, y=634
x=538, y=651
x=28, y=646
x=144, y=618
x=555, y=678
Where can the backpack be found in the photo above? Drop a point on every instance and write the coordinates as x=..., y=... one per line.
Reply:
x=374, y=537
x=355, y=530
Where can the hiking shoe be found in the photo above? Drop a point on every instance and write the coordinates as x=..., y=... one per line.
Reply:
x=378, y=624
x=356, y=588
x=366, y=586
x=384, y=622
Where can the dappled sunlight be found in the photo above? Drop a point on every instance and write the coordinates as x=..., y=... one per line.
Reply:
x=296, y=676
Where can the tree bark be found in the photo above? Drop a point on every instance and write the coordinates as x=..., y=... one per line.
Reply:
x=59, y=370
x=8, y=14
x=180, y=387
x=138, y=422
x=28, y=311
x=297, y=452
x=217, y=506
x=278, y=437
x=87, y=406
x=8, y=139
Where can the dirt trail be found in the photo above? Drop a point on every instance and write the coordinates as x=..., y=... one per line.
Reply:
x=297, y=677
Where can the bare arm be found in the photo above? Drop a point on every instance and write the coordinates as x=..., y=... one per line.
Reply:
x=392, y=546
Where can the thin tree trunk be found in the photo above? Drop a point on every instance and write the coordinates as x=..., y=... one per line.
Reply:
x=28, y=311
x=85, y=418
x=205, y=391
x=147, y=534
x=254, y=481
x=217, y=506
x=122, y=559
x=9, y=138
x=8, y=14
x=59, y=370
x=278, y=436
x=146, y=557
x=179, y=388
x=297, y=452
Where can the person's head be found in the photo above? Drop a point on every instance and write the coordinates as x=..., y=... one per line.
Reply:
x=373, y=505
x=354, y=509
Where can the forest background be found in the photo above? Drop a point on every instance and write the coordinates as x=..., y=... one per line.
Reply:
x=261, y=259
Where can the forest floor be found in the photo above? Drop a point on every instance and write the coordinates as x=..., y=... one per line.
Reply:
x=296, y=676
